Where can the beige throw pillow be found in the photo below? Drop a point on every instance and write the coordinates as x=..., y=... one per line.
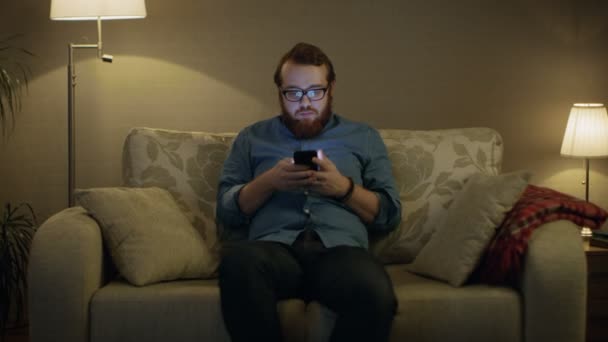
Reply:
x=460, y=239
x=149, y=238
x=430, y=168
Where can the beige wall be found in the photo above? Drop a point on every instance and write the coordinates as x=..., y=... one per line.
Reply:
x=515, y=66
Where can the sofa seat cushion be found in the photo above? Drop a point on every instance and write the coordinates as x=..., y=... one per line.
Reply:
x=187, y=310
x=169, y=311
x=430, y=310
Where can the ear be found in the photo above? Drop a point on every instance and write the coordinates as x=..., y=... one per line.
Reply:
x=332, y=86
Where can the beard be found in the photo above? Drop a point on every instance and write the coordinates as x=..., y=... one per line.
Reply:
x=306, y=129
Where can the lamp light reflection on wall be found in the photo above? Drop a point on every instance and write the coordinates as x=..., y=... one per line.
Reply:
x=586, y=137
x=97, y=10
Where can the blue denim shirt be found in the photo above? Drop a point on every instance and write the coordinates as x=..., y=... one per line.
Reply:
x=356, y=149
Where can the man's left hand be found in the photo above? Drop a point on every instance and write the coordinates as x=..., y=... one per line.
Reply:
x=328, y=180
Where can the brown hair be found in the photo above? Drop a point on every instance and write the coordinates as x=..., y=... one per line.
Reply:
x=307, y=54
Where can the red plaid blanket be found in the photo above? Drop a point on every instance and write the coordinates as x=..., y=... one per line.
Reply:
x=537, y=205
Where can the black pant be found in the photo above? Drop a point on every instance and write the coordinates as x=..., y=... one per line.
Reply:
x=255, y=275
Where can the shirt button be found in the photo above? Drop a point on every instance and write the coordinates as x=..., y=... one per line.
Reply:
x=307, y=211
x=306, y=192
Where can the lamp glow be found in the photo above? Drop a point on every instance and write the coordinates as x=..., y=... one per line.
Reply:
x=97, y=10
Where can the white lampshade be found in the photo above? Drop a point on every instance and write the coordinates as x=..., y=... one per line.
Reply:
x=587, y=131
x=92, y=9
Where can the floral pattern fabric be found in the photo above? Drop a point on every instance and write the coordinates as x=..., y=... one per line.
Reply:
x=429, y=168
x=187, y=164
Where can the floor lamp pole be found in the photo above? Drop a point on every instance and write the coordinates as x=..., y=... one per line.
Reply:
x=72, y=106
x=585, y=231
x=586, y=179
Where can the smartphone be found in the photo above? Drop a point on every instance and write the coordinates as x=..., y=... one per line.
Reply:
x=305, y=158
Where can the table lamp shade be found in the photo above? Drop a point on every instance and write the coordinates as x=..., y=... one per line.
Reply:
x=586, y=132
x=93, y=9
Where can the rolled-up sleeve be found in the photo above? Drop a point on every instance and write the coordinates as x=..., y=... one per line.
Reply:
x=235, y=174
x=378, y=177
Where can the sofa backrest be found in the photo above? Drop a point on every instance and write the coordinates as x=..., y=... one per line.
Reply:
x=429, y=168
x=187, y=164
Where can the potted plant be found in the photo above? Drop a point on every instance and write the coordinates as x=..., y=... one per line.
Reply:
x=17, y=227
x=17, y=224
x=13, y=79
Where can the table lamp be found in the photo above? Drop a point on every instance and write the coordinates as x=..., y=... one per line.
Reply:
x=97, y=10
x=586, y=137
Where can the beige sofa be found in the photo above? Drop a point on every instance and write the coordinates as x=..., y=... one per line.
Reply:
x=74, y=294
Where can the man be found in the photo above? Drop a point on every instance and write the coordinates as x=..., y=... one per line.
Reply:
x=307, y=226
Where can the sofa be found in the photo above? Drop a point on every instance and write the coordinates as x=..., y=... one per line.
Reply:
x=77, y=294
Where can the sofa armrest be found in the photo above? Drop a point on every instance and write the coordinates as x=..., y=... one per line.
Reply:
x=66, y=267
x=554, y=284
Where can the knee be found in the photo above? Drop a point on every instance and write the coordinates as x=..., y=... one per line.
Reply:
x=378, y=297
x=371, y=290
x=365, y=285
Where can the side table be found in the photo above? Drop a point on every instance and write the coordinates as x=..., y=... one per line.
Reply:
x=597, y=293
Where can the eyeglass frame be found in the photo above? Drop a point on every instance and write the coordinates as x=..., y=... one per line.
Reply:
x=305, y=93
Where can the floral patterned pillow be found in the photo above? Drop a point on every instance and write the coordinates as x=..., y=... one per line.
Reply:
x=187, y=164
x=430, y=167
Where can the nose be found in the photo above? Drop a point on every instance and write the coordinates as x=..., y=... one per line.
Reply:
x=305, y=101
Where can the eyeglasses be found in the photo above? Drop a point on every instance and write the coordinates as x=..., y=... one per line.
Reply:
x=296, y=95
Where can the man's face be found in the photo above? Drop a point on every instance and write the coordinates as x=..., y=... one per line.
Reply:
x=305, y=118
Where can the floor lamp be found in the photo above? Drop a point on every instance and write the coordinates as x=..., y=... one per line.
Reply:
x=586, y=137
x=97, y=10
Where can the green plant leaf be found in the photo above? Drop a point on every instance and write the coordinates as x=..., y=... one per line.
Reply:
x=14, y=75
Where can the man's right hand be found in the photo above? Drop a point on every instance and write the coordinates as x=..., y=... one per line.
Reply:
x=284, y=176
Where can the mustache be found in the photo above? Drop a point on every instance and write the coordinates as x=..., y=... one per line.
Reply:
x=307, y=109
